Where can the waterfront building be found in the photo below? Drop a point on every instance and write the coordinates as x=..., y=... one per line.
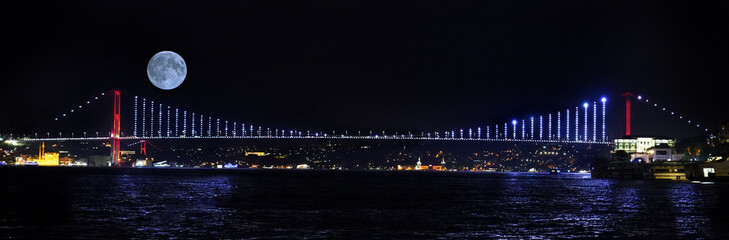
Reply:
x=256, y=153
x=140, y=163
x=665, y=153
x=47, y=159
x=419, y=166
x=661, y=153
x=635, y=144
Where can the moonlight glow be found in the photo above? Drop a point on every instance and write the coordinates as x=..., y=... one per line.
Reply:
x=166, y=70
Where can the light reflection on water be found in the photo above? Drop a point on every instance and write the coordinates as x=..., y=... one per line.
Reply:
x=312, y=204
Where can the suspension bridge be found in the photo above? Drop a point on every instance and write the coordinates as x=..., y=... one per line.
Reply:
x=585, y=123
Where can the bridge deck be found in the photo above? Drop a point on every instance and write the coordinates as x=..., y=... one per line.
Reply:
x=318, y=137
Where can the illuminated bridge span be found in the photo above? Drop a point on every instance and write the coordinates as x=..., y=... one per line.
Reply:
x=580, y=124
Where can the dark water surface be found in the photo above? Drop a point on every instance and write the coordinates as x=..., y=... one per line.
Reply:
x=204, y=203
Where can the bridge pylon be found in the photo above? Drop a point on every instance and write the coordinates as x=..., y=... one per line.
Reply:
x=116, y=129
x=627, y=95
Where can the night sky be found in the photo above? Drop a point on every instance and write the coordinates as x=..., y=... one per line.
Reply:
x=361, y=65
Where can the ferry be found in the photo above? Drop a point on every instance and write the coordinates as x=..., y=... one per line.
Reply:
x=709, y=171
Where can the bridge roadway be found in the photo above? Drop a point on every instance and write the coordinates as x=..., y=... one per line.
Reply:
x=339, y=137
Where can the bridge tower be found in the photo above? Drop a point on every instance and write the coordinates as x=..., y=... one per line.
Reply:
x=627, y=95
x=143, y=147
x=116, y=129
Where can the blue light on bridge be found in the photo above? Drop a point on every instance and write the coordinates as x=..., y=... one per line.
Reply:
x=531, y=128
x=604, y=138
x=567, y=126
x=584, y=138
x=577, y=124
x=496, y=134
x=594, y=121
x=523, y=125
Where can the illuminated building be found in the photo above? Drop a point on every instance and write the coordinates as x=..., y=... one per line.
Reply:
x=661, y=153
x=422, y=167
x=44, y=158
x=48, y=159
x=259, y=154
x=665, y=153
x=632, y=144
x=65, y=161
x=419, y=166
x=140, y=163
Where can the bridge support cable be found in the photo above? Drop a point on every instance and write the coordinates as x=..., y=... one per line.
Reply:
x=577, y=123
x=641, y=99
x=159, y=125
x=594, y=121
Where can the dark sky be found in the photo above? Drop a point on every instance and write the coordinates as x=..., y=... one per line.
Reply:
x=358, y=65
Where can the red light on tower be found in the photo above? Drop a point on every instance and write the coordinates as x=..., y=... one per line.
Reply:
x=627, y=95
x=143, y=147
x=116, y=129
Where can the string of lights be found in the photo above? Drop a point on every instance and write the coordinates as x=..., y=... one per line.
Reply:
x=604, y=137
x=160, y=125
x=531, y=128
x=168, y=122
x=159, y=130
x=550, y=126
x=135, y=116
x=577, y=123
x=541, y=127
x=581, y=132
x=177, y=122
x=584, y=134
x=594, y=121
x=497, y=131
x=523, y=126
x=567, y=129
x=641, y=99
x=151, y=117
x=144, y=117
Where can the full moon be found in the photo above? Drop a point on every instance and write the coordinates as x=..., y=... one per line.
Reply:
x=166, y=70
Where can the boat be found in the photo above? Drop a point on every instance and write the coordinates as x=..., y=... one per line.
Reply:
x=554, y=170
x=161, y=164
x=713, y=171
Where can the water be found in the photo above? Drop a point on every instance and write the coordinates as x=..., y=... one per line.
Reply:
x=153, y=203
